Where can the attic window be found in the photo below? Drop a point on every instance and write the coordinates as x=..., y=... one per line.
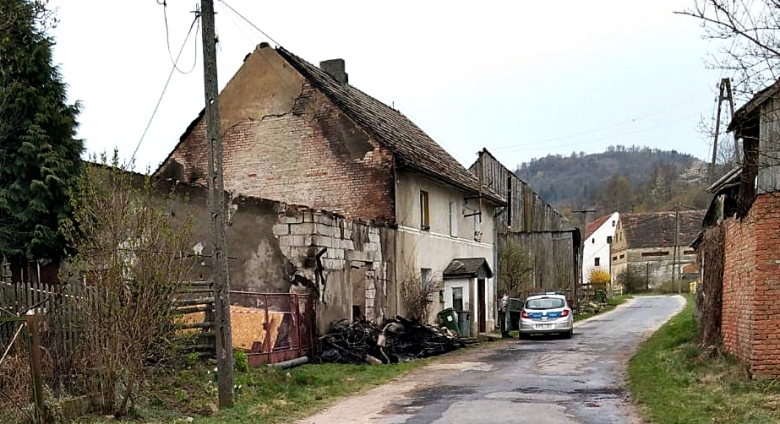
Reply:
x=609, y=239
x=613, y=222
x=593, y=240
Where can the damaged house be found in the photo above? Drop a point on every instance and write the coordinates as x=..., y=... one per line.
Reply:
x=381, y=205
x=740, y=247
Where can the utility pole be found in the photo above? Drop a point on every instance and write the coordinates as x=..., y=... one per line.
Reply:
x=723, y=95
x=217, y=210
x=676, y=243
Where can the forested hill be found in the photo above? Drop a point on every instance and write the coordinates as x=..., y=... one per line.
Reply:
x=621, y=179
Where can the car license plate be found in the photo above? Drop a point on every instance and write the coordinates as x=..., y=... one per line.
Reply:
x=543, y=326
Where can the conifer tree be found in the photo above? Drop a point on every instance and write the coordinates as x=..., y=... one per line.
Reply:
x=39, y=153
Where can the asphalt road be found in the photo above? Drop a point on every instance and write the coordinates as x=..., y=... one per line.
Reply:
x=542, y=380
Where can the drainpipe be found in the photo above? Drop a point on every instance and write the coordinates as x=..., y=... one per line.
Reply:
x=497, y=213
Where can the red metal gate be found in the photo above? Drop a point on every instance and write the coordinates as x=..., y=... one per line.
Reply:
x=272, y=327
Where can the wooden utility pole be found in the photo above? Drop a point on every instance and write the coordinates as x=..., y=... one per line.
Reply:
x=676, y=244
x=723, y=95
x=217, y=210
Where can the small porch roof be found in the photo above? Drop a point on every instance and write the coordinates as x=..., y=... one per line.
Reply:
x=468, y=268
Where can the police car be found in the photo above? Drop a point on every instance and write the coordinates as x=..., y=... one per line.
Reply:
x=546, y=313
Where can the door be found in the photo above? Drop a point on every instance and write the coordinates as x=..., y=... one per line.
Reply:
x=481, y=305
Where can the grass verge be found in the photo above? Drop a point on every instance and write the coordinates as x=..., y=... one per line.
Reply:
x=263, y=395
x=673, y=382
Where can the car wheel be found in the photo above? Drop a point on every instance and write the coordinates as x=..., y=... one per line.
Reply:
x=522, y=336
x=569, y=333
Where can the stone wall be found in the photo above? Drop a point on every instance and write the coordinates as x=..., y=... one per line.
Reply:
x=272, y=248
x=751, y=287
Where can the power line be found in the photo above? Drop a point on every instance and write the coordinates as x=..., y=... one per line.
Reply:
x=250, y=22
x=666, y=124
x=168, y=42
x=165, y=88
x=593, y=130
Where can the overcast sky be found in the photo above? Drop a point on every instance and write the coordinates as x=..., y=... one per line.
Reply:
x=522, y=78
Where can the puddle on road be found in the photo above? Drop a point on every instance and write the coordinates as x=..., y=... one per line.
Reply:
x=463, y=366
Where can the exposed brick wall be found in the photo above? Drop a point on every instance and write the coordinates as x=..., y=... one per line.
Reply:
x=310, y=155
x=751, y=287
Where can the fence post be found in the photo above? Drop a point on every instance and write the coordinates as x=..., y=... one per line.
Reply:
x=35, y=366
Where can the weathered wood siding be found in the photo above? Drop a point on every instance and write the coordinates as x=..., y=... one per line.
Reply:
x=527, y=211
x=768, y=179
x=553, y=256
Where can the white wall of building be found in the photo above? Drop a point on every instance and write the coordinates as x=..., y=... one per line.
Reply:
x=451, y=234
x=597, y=248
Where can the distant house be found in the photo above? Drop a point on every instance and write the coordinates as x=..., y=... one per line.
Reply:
x=302, y=135
x=551, y=240
x=646, y=248
x=597, y=244
x=743, y=222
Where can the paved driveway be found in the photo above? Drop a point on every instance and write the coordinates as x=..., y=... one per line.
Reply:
x=538, y=381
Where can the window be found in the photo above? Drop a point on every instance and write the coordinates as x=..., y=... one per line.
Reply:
x=613, y=222
x=614, y=258
x=622, y=256
x=645, y=254
x=609, y=239
x=597, y=262
x=453, y=219
x=425, y=222
x=689, y=252
x=425, y=276
x=457, y=298
x=593, y=240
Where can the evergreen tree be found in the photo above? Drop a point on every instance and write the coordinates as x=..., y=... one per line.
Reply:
x=39, y=154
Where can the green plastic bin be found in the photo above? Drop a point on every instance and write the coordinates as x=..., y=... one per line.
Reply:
x=601, y=296
x=449, y=319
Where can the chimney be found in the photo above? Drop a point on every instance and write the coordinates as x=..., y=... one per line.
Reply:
x=336, y=69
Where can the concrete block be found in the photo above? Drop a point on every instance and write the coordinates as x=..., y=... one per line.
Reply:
x=305, y=228
x=347, y=244
x=323, y=219
x=281, y=229
x=370, y=247
x=347, y=234
x=335, y=253
x=291, y=219
x=374, y=238
x=323, y=241
x=336, y=264
x=324, y=230
x=290, y=240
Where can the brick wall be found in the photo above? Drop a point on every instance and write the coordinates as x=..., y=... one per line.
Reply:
x=311, y=155
x=751, y=287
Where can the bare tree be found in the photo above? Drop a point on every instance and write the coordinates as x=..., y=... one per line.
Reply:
x=750, y=35
x=515, y=268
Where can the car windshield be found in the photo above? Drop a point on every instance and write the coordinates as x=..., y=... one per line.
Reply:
x=545, y=303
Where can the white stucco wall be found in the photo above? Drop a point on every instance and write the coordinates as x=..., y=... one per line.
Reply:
x=436, y=247
x=596, y=246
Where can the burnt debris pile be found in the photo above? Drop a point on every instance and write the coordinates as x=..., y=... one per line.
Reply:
x=396, y=340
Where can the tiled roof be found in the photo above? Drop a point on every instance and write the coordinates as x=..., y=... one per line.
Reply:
x=656, y=229
x=594, y=225
x=467, y=267
x=412, y=147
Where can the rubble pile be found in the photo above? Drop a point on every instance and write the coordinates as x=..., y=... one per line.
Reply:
x=396, y=340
